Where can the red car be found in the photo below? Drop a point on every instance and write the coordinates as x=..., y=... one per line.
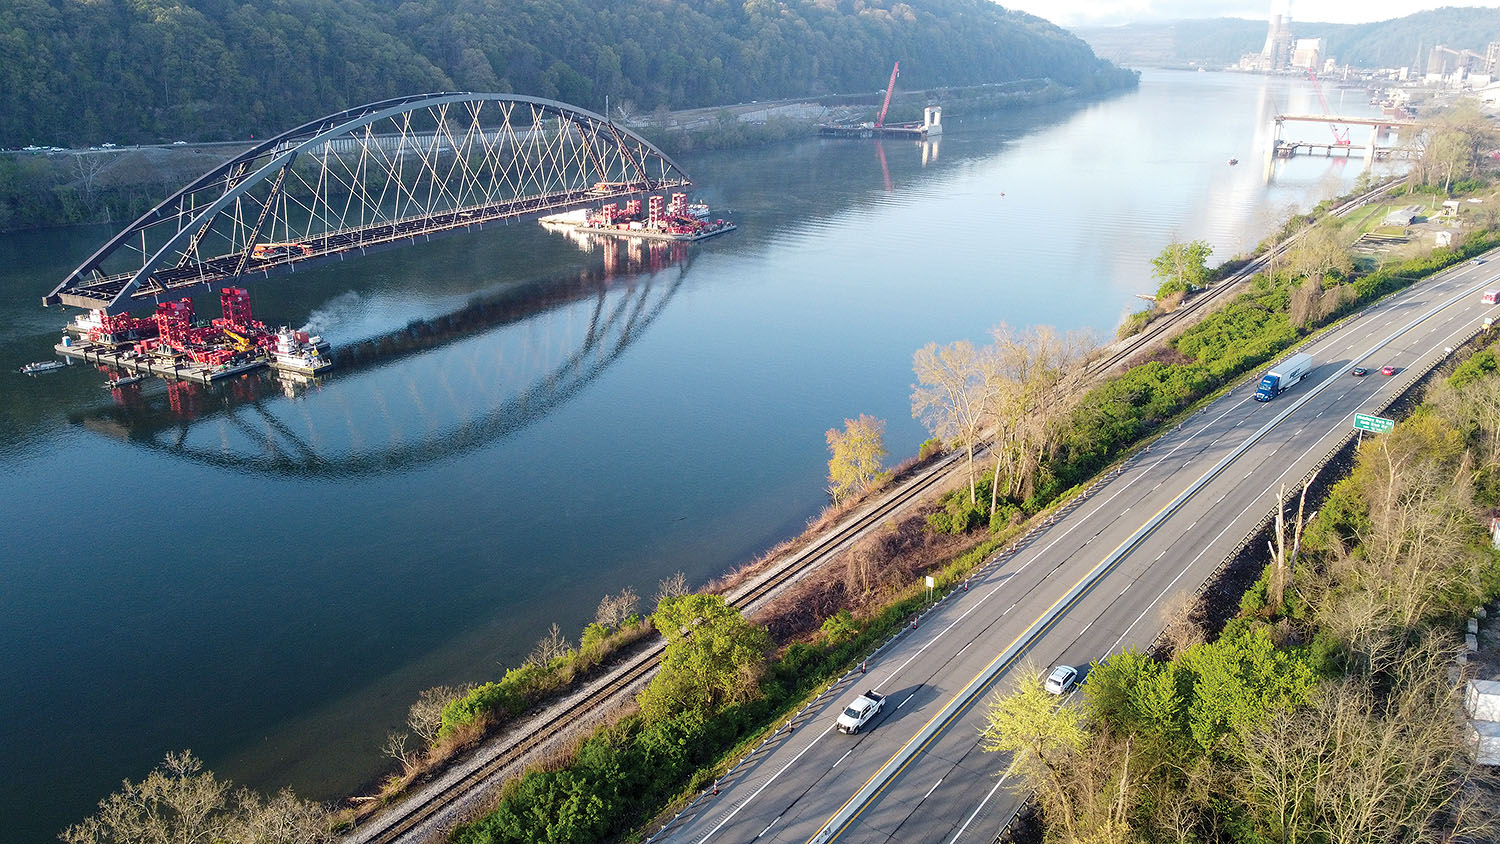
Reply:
x=1387, y=370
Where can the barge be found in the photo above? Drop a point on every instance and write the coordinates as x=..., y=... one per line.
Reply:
x=676, y=221
x=169, y=344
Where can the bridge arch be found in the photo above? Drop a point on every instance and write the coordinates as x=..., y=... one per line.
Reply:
x=368, y=178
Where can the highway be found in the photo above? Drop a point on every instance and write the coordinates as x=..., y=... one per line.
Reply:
x=1090, y=584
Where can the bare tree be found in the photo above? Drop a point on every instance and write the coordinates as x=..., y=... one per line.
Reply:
x=1283, y=562
x=395, y=748
x=673, y=587
x=86, y=167
x=425, y=717
x=1034, y=379
x=615, y=610
x=949, y=396
x=551, y=647
x=181, y=803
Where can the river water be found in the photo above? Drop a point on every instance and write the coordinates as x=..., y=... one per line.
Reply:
x=268, y=572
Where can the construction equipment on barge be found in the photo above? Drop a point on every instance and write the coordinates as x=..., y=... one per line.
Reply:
x=675, y=220
x=171, y=345
x=931, y=124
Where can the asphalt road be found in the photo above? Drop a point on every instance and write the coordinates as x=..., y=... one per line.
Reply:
x=1141, y=549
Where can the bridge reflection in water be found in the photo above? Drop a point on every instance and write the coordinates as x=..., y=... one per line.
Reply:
x=461, y=380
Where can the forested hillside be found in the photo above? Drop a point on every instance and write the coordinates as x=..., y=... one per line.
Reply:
x=148, y=70
x=1221, y=41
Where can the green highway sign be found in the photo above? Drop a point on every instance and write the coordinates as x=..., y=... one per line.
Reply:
x=1373, y=424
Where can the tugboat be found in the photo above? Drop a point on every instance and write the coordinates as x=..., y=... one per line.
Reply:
x=299, y=352
x=42, y=366
x=698, y=210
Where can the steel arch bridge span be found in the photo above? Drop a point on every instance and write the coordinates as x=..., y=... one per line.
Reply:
x=372, y=177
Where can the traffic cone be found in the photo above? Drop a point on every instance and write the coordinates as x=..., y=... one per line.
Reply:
x=716, y=788
x=861, y=667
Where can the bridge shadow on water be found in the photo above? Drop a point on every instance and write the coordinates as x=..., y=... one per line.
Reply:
x=436, y=388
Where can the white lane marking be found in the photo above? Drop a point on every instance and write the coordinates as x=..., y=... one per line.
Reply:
x=964, y=648
x=841, y=758
x=763, y=786
x=980, y=807
x=930, y=790
x=1011, y=607
x=768, y=827
x=908, y=700
x=1338, y=431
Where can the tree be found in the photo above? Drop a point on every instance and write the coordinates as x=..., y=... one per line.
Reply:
x=1087, y=782
x=1033, y=381
x=1367, y=764
x=672, y=587
x=549, y=648
x=714, y=657
x=181, y=803
x=1181, y=267
x=425, y=717
x=615, y=610
x=1317, y=253
x=949, y=396
x=1455, y=144
x=857, y=454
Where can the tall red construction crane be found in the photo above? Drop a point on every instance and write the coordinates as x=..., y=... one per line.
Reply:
x=880, y=121
x=1338, y=139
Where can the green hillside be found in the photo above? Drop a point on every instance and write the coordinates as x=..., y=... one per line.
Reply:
x=147, y=70
x=1221, y=41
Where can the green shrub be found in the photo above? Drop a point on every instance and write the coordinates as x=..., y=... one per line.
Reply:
x=839, y=627
x=1478, y=365
x=931, y=447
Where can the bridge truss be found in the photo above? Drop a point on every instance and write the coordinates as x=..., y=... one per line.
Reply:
x=371, y=177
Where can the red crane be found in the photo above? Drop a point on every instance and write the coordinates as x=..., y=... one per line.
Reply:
x=880, y=121
x=1339, y=140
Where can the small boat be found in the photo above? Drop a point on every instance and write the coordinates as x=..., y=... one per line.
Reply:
x=116, y=383
x=698, y=210
x=1233, y=161
x=42, y=366
x=300, y=352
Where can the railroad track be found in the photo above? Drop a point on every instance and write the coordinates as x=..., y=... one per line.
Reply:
x=1162, y=326
x=406, y=818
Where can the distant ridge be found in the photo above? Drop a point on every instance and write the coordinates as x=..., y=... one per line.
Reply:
x=1220, y=42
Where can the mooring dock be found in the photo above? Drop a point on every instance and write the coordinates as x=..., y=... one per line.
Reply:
x=165, y=367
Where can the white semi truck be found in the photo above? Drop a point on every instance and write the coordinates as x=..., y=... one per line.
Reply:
x=1284, y=376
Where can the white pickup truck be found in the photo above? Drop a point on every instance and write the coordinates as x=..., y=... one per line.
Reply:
x=859, y=712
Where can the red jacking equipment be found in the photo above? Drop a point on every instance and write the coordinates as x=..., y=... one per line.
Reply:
x=235, y=302
x=174, y=322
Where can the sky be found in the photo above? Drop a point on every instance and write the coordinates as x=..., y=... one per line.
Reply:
x=1111, y=12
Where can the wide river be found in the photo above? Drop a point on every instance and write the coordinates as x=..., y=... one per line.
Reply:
x=267, y=573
